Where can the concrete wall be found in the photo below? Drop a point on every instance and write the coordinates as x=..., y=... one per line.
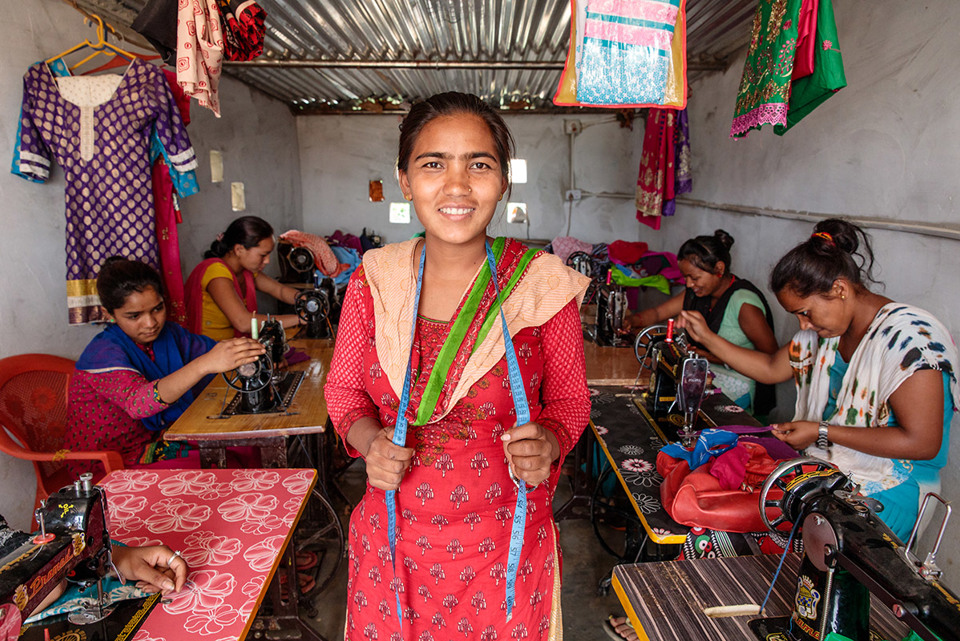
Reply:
x=340, y=154
x=257, y=136
x=887, y=146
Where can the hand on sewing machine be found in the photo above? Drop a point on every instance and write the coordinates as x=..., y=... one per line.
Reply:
x=230, y=354
x=797, y=434
x=530, y=451
x=695, y=325
x=154, y=568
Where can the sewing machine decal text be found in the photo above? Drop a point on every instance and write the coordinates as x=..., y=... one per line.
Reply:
x=41, y=580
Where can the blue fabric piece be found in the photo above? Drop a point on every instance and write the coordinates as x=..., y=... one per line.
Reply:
x=346, y=256
x=184, y=183
x=710, y=443
x=900, y=507
x=113, y=350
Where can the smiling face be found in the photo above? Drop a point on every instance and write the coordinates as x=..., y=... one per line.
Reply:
x=826, y=314
x=142, y=316
x=701, y=281
x=257, y=257
x=455, y=178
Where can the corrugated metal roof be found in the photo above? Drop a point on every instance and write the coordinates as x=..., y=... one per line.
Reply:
x=371, y=55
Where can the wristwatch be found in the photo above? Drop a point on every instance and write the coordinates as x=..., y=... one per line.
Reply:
x=823, y=440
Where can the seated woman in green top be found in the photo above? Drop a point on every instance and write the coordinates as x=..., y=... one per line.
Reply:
x=733, y=308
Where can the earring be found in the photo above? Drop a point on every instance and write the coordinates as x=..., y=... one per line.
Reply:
x=843, y=297
x=469, y=190
x=407, y=197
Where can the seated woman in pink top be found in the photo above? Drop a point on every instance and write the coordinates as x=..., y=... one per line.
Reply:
x=140, y=373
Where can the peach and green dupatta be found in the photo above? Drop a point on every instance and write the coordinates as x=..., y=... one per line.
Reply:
x=534, y=287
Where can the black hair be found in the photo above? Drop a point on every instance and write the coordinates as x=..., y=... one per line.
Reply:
x=246, y=230
x=119, y=277
x=706, y=251
x=837, y=249
x=448, y=104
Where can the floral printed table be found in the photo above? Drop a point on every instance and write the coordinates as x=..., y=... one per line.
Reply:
x=231, y=527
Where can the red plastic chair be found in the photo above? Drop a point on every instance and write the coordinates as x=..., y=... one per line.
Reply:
x=33, y=417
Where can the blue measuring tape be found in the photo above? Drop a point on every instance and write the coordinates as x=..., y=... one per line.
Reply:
x=400, y=438
x=522, y=410
x=523, y=417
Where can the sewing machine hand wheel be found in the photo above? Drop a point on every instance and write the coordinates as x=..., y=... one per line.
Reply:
x=780, y=478
x=260, y=371
x=641, y=346
x=312, y=304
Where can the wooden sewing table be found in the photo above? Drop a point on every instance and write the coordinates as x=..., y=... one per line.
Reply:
x=307, y=414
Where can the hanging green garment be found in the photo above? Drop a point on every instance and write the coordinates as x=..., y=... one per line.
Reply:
x=765, y=87
x=827, y=78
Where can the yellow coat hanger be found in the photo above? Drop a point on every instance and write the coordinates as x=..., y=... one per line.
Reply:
x=101, y=46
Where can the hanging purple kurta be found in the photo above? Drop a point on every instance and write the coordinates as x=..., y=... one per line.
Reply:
x=103, y=148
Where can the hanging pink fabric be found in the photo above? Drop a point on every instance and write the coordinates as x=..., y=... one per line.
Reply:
x=168, y=217
x=168, y=242
x=806, y=39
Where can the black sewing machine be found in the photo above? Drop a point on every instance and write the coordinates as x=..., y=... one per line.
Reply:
x=296, y=263
x=73, y=541
x=315, y=307
x=261, y=386
x=612, y=307
x=73, y=544
x=663, y=352
x=849, y=554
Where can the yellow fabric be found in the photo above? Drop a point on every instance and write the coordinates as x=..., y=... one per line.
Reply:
x=567, y=91
x=82, y=287
x=216, y=325
x=392, y=276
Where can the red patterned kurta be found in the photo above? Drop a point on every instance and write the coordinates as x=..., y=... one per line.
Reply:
x=455, y=505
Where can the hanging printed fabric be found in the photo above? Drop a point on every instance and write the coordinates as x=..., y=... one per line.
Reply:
x=664, y=165
x=200, y=51
x=109, y=202
x=765, y=86
x=243, y=28
x=827, y=77
x=655, y=181
x=625, y=53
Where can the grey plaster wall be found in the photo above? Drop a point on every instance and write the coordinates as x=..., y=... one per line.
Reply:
x=257, y=136
x=886, y=147
x=340, y=154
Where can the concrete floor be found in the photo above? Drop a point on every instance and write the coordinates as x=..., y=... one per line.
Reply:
x=585, y=563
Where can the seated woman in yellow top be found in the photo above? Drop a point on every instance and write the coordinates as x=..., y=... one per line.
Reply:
x=222, y=290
